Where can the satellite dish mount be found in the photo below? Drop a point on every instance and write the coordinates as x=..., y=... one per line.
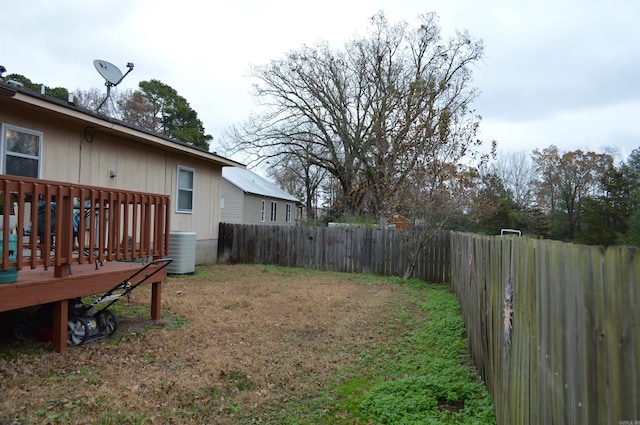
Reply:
x=111, y=74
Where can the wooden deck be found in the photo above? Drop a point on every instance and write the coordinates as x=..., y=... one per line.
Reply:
x=39, y=286
x=110, y=227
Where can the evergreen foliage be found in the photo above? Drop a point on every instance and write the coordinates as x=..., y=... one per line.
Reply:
x=57, y=92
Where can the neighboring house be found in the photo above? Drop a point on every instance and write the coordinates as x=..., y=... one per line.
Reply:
x=248, y=198
x=399, y=222
x=50, y=139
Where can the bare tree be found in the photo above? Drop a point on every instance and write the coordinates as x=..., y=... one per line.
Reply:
x=388, y=116
x=138, y=110
x=298, y=176
x=113, y=107
x=372, y=113
x=518, y=174
x=125, y=105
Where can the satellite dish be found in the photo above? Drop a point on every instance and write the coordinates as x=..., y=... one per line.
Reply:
x=111, y=74
x=109, y=71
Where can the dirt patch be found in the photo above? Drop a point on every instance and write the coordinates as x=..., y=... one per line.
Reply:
x=255, y=336
x=451, y=406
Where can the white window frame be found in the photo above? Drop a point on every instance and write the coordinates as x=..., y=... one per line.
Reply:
x=274, y=211
x=287, y=213
x=185, y=189
x=263, y=211
x=4, y=153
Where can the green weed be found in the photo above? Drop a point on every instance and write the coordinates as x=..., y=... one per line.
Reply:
x=430, y=385
x=419, y=378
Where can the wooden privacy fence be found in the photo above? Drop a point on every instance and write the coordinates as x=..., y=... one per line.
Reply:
x=554, y=328
x=343, y=249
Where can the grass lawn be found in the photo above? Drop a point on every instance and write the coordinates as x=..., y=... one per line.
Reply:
x=246, y=344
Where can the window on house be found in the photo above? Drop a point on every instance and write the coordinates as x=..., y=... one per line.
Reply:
x=185, y=190
x=287, y=213
x=262, y=213
x=21, y=151
x=273, y=210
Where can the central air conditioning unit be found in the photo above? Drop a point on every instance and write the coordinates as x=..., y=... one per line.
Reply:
x=182, y=247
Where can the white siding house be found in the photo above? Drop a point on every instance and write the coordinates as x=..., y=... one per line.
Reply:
x=57, y=140
x=248, y=198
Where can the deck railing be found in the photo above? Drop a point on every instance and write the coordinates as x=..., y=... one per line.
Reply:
x=59, y=224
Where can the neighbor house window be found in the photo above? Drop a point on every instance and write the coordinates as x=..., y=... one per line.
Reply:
x=274, y=206
x=21, y=151
x=287, y=213
x=262, y=212
x=185, y=189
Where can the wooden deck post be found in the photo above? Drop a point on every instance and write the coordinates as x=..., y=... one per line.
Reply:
x=156, y=295
x=60, y=318
x=61, y=271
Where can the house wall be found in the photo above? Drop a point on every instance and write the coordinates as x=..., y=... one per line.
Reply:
x=245, y=208
x=71, y=154
x=233, y=203
x=253, y=207
x=252, y=210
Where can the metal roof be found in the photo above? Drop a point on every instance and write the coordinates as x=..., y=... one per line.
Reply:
x=250, y=182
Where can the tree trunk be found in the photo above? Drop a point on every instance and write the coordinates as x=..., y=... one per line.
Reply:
x=423, y=238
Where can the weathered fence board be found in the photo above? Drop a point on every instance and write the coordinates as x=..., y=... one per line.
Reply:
x=553, y=328
x=345, y=249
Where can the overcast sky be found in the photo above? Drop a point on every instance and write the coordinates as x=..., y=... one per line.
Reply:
x=563, y=72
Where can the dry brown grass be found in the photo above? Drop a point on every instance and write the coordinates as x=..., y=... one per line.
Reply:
x=256, y=337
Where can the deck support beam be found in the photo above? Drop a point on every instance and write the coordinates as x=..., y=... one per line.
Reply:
x=60, y=318
x=156, y=300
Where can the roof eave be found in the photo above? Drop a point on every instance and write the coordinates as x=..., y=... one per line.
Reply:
x=111, y=126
